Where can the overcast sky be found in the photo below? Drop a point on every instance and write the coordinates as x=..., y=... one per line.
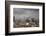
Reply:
x=25, y=12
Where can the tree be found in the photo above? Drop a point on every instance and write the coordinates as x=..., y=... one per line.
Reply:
x=32, y=19
x=27, y=20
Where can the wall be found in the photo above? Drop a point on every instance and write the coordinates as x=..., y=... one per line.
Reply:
x=2, y=17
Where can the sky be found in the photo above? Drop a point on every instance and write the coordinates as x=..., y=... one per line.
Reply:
x=25, y=12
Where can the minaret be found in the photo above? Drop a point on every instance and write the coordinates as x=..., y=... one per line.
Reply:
x=13, y=18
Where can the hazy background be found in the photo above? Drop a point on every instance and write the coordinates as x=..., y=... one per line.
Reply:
x=20, y=13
